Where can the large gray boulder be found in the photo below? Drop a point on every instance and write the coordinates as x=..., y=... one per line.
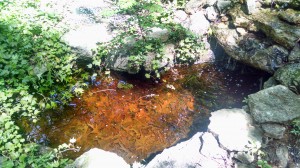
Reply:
x=95, y=158
x=280, y=31
x=274, y=105
x=234, y=128
x=289, y=76
x=241, y=40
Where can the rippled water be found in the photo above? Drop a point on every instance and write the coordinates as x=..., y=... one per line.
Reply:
x=147, y=118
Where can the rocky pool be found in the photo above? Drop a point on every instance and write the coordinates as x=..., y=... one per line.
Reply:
x=135, y=117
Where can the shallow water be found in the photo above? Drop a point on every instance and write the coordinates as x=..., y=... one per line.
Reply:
x=147, y=118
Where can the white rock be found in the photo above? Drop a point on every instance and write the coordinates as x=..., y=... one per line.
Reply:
x=96, y=158
x=235, y=129
x=179, y=16
x=199, y=24
x=182, y=155
x=86, y=37
x=211, y=148
x=211, y=13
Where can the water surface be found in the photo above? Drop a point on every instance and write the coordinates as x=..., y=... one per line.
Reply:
x=150, y=116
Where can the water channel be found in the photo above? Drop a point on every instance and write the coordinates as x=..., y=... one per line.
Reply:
x=152, y=115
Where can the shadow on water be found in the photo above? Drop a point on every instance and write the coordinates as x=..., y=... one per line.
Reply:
x=138, y=121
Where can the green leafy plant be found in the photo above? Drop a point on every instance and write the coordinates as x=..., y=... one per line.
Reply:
x=37, y=72
x=263, y=164
x=295, y=127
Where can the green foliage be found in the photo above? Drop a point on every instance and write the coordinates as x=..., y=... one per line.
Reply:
x=296, y=127
x=189, y=50
x=36, y=71
x=263, y=164
x=134, y=41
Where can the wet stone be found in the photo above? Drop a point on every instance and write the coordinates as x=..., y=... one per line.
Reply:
x=274, y=130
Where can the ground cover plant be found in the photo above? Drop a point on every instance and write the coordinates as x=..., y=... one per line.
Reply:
x=37, y=73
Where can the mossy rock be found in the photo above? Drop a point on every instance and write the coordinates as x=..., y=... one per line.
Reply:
x=289, y=76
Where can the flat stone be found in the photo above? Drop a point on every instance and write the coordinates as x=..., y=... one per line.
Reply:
x=274, y=130
x=95, y=158
x=234, y=128
x=276, y=104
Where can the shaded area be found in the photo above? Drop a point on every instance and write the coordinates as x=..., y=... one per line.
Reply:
x=144, y=119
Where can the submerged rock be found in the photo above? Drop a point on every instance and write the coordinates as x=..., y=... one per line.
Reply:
x=234, y=128
x=274, y=105
x=99, y=158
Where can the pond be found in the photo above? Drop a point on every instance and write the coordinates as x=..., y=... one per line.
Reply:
x=135, y=117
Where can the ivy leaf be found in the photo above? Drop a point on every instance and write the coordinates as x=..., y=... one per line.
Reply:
x=89, y=65
x=147, y=76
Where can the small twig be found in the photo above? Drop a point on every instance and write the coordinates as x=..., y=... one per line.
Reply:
x=102, y=91
x=70, y=149
x=147, y=96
